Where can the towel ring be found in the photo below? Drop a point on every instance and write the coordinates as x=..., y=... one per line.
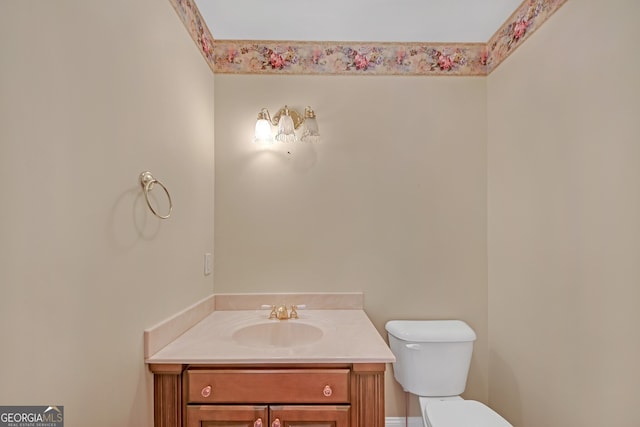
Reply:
x=147, y=181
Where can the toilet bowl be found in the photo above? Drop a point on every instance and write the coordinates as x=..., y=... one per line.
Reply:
x=432, y=362
x=459, y=413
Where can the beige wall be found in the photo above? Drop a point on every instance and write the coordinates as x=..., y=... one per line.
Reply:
x=91, y=94
x=392, y=202
x=564, y=222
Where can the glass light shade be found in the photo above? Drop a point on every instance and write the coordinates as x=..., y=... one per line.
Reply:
x=286, y=129
x=310, y=132
x=263, y=132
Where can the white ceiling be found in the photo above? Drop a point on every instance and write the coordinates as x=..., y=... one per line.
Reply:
x=356, y=20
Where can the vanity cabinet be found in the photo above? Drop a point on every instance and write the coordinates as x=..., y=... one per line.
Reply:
x=267, y=416
x=293, y=397
x=273, y=395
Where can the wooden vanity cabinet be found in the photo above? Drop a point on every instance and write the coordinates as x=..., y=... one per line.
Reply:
x=327, y=395
x=267, y=416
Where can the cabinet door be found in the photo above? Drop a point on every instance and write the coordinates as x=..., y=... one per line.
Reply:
x=309, y=416
x=227, y=416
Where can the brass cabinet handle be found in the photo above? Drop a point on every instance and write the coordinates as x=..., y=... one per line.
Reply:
x=206, y=392
x=258, y=423
x=276, y=423
x=327, y=391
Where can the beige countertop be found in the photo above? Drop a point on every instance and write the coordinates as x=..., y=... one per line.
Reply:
x=348, y=336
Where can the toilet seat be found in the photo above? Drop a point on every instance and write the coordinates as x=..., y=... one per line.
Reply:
x=461, y=413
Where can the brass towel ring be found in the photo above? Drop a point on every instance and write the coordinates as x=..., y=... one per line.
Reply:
x=147, y=181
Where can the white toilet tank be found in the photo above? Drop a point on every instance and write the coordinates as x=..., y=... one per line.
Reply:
x=432, y=356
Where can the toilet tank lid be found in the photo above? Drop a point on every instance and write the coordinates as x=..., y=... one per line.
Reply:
x=430, y=330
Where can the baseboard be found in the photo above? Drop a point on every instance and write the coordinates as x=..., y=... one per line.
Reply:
x=402, y=422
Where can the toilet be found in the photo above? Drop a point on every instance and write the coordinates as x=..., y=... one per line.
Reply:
x=432, y=362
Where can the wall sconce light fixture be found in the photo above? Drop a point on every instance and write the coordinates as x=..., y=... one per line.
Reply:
x=287, y=121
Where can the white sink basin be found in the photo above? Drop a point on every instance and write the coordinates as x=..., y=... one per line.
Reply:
x=281, y=333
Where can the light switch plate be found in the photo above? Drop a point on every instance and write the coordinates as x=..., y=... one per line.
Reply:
x=208, y=264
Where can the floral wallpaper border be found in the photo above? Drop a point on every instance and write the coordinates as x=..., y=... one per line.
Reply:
x=349, y=58
x=197, y=28
x=278, y=57
x=521, y=24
